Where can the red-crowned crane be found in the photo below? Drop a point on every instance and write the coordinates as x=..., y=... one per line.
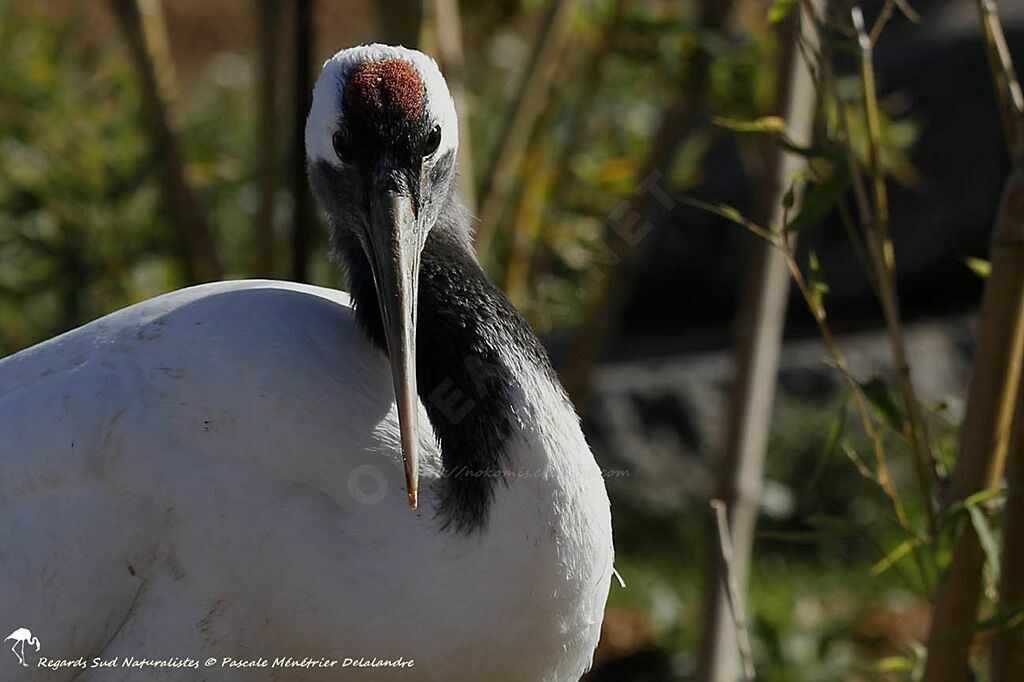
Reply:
x=225, y=471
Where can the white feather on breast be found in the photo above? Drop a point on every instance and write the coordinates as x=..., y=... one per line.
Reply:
x=216, y=472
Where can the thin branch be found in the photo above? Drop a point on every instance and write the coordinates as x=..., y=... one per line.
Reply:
x=302, y=220
x=267, y=50
x=542, y=176
x=839, y=362
x=442, y=18
x=504, y=166
x=154, y=29
x=185, y=214
x=773, y=238
x=860, y=406
x=537, y=182
x=886, y=14
x=1008, y=90
x=883, y=257
x=883, y=19
x=846, y=218
x=732, y=591
x=613, y=282
x=595, y=56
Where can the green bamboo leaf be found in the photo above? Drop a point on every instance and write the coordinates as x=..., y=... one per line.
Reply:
x=820, y=200
x=780, y=9
x=808, y=152
x=894, y=664
x=815, y=280
x=1009, y=617
x=884, y=401
x=835, y=431
x=893, y=557
x=979, y=266
x=983, y=496
x=956, y=510
x=789, y=198
x=828, y=450
x=724, y=210
x=765, y=124
x=732, y=214
x=987, y=539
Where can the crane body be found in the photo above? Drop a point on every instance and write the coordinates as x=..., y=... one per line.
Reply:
x=224, y=471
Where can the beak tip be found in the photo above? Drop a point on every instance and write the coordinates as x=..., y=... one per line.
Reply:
x=410, y=455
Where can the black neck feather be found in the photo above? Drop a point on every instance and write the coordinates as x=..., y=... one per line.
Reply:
x=467, y=334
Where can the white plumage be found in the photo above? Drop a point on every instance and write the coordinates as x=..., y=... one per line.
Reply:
x=198, y=475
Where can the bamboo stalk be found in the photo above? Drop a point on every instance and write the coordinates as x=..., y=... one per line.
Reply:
x=1008, y=645
x=758, y=347
x=301, y=96
x=532, y=198
x=999, y=353
x=185, y=214
x=886, y=14
x=504, y=166
x=1008, y=90
x=528, y=221
x=882, y=280
x=860, y=191
x=733, y=593
x=154, y=30
x=267, y=43
x=865, y=210
x=446, y=25
x=985, y=432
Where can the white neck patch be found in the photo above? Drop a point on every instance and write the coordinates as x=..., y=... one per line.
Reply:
x=326, y=110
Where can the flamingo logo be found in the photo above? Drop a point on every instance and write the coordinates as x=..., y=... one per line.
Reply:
x=21, y=636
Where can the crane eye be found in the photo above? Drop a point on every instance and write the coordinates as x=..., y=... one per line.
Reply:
x=342, y=146
x=433, y=141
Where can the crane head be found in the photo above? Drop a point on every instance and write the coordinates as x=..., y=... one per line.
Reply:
x=380, y=147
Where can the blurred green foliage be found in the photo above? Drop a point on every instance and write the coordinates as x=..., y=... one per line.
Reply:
x=82, y=232
x=79, y=224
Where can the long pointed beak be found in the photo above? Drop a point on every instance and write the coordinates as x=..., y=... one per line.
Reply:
x=395, y=262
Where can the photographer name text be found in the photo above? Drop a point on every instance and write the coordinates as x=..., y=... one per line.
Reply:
x=224, y=662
